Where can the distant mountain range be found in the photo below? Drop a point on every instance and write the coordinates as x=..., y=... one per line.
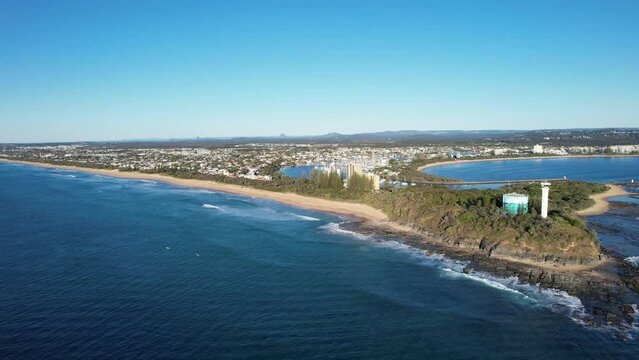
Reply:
x=382, y=136
x=592, y=137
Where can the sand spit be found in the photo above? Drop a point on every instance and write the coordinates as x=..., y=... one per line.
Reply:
x=601, y=201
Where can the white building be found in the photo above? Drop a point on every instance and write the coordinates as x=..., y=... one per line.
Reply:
x=623, y=149
x=538, y=149
x=355, y=169
x=376, y=180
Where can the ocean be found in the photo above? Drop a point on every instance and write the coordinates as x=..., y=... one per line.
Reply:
x=100, y=267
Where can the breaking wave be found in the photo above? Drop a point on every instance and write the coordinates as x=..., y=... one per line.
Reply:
x=634, y=260
x=334, y=228
x=555, y=300
x=61, y=174
x=259, y=213
x=209, y=206
x=304, y=217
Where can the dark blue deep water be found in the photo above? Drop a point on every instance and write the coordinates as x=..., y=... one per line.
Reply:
x=97, y=267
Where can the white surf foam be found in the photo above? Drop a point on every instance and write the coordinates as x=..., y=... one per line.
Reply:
x=200, y=191
x=64, y=175
x=557, y=301
x=304, y=217
x=261, y=213
x=334, y=228
x=486, y=280
x=209, y=206
x=634, y=260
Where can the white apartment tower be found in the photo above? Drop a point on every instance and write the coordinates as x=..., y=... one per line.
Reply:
x=538, y=149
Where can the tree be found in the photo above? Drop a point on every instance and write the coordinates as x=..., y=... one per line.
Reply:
x=335, y=181
x=360, y=183
x=327, y=180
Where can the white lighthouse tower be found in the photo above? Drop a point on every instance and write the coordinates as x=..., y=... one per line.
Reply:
x=545, y=188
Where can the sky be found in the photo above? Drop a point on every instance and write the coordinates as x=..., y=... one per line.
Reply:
x=112, y=70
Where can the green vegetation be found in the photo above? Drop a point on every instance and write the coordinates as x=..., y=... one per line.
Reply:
x=411, y=173
x=477, y=214
x=360, y=183
x=272, y=169
x=331, y=181
x=572, y=195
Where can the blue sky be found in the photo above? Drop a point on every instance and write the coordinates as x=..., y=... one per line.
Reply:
x=106, y=70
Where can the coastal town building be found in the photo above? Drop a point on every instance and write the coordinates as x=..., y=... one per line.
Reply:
x=538, y=149
x=375, y=179
x=355, y=169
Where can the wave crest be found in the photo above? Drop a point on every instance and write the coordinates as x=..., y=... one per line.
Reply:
x=209, y=206
x=634, y=260
x=304, y=217
x=334, y=228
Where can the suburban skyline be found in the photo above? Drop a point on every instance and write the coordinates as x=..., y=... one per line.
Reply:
x=88, y=71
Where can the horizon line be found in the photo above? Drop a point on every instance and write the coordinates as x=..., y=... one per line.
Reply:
x=293, y=137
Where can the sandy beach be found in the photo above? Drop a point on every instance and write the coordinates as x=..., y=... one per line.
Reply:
x=368, y=214
x=601, y=201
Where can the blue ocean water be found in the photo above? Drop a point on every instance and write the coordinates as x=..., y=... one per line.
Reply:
x=597, y=169
x=618, y=228
x=98, y=267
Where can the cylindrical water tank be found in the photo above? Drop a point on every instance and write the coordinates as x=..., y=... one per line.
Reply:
x=515, y=204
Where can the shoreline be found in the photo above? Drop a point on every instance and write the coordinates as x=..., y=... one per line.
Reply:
x=365, y=213
x=368, y=215
x=602, y=205
x=449, y=162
